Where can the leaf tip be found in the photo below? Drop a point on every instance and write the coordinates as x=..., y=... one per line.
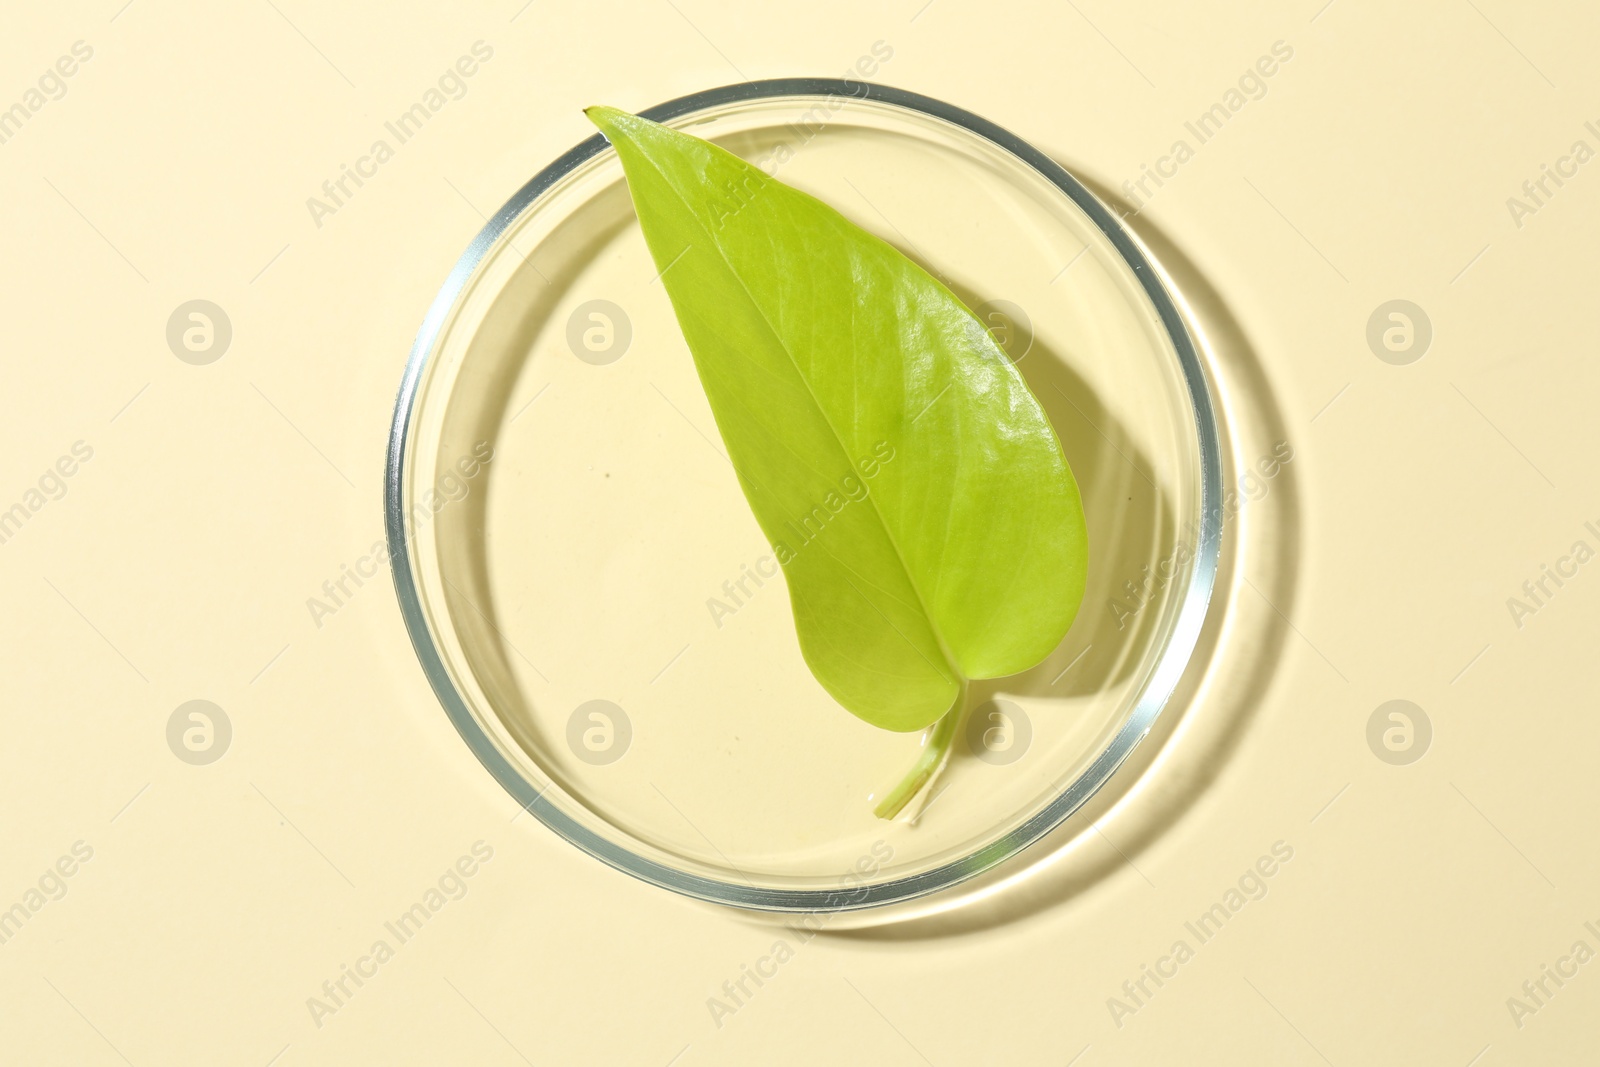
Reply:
x=603, y=116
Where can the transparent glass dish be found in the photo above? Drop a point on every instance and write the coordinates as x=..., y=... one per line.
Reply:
x=601, y=617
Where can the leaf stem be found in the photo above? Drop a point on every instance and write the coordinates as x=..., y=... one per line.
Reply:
x=935, y=754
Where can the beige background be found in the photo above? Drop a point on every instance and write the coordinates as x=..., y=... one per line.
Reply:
x=218, y=498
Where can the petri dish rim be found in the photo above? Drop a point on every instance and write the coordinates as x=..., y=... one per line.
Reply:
x=1161, y=681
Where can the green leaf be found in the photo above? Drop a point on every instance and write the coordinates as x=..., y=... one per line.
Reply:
x=913, y=490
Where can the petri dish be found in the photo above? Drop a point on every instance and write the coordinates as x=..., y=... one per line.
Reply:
x=598, y=612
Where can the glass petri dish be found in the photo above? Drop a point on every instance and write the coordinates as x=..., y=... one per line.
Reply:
x=596, y=608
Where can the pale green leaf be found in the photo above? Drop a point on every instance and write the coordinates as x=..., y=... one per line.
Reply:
x=928, y=525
